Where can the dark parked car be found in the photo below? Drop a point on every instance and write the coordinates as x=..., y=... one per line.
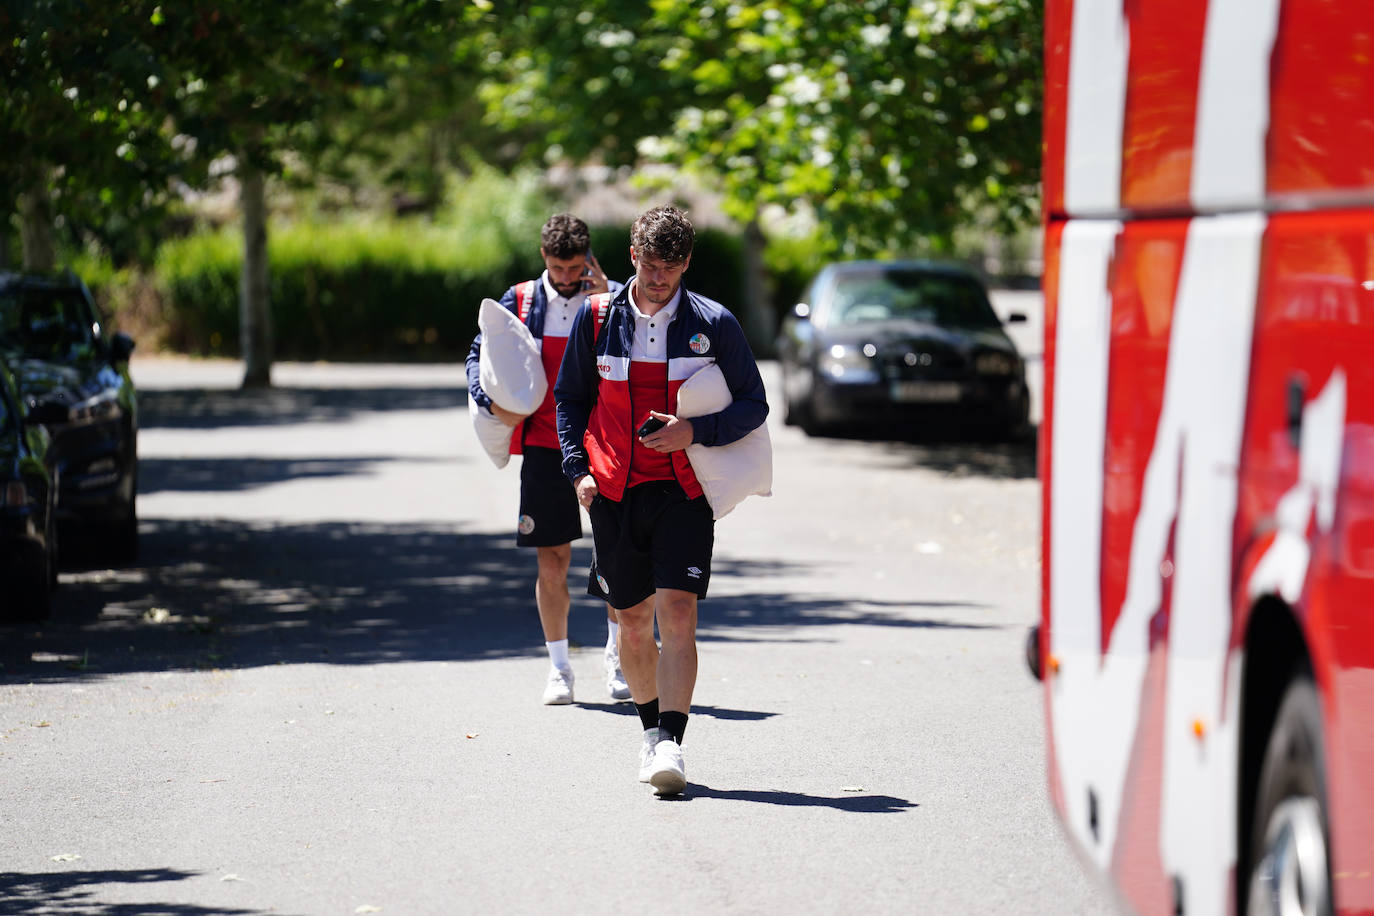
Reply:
x=909, y=344
x=28, y=508
x=67, y=364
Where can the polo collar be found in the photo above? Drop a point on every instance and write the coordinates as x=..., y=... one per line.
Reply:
x=668, y=312
x=550, y=294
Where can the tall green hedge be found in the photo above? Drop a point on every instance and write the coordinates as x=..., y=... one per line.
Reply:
x=381, y=289
x=361, y=290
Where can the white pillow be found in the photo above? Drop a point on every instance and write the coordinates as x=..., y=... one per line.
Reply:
x=511, y=371
x=493, y=435
x=512, y=375
x=727, y=473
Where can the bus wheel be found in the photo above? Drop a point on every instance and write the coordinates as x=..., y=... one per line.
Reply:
x=1292, y=874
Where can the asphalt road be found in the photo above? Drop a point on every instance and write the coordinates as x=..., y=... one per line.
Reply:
x=318, y=691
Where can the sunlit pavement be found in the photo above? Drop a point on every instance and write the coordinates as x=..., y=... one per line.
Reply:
x=318, y=691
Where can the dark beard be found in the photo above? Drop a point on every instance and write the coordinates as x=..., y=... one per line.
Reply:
x=567, y=292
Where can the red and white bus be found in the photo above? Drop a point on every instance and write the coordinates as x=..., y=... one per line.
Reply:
x=1207, y=450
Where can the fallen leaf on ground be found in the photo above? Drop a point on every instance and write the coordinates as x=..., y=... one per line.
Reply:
x=473, y=735
x=43, y=724
x=66, y=857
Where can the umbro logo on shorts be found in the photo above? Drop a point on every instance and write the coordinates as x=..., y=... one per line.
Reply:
x=694, y=572
x=526, y=524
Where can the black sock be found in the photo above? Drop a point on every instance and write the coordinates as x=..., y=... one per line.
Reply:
x=674, y=723
x=648, y=713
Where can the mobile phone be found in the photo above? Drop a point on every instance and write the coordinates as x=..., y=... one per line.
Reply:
x=587, y=281
x=651, y=425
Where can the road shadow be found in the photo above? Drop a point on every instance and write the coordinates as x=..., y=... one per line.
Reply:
x=211, y=594
x=217, y=408
x=854, y=804
x=75, y=892
x=237, y=475
x=711, y=712
x=234, y=594
x=945, y=452
x=721, y=619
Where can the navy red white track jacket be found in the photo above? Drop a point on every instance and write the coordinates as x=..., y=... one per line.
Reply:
x=592, y=395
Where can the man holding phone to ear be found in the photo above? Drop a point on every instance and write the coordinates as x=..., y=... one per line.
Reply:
x=624, y=450
x=549, y=517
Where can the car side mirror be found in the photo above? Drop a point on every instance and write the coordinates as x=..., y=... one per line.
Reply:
x=48, y=413
x=802, y=310
x=1016, y=318
x=121, y=347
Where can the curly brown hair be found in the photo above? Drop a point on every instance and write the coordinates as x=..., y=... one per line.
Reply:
x=663, y=233
x=564, y=236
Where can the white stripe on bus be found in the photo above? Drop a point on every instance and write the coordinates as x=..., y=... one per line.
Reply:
x=1233, y=104
x=1094, y=702
x=1098, y=58
x=1192, y=477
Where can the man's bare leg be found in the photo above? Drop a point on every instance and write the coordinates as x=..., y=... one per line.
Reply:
x=638, y=651
x=552, y=599
x=551, y=591
x=616, y=685
x=677, y=661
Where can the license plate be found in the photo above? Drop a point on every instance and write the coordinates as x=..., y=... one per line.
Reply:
x=926, y=392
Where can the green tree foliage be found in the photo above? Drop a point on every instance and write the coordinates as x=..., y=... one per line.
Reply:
x=83, y=114
x=410, y=133
x=266, y=77
x=888, y=121
x=105, y=103
x=167, y=89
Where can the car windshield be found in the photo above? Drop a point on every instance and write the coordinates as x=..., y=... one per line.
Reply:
x=45, y=323
x=884, y=294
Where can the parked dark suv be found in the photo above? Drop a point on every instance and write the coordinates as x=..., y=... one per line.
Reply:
x=68, y=364
x=902, y=344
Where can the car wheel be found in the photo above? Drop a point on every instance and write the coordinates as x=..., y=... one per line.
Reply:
x=1291, y=871
x=789, y=409
x=124, y=537
x=33, y=594
x=54, y=552
x=799, y=413
x=791, y=413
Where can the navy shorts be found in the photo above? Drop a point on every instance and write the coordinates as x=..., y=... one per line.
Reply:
x=549, y=514
x=655, y=537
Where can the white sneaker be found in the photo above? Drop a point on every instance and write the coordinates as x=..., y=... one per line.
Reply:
x=646, y=754
x=615, y=678
x=668, y=776
x=559, y=690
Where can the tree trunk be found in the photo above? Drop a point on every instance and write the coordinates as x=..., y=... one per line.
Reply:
x=758, y=318
x=36, y=230
x=255, y=313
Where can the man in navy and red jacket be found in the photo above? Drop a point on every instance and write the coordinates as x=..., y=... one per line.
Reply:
x=628, y=354
x=549, y=518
